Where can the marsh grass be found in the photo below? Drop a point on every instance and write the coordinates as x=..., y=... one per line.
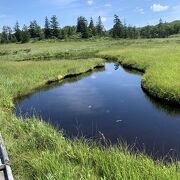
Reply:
x=38, y=151
x=159, y=61
x=18, y=78
x=50, y=50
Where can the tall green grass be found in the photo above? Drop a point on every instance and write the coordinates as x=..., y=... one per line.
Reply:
x=45, y=50
x=159, y=61
x=50, y=50
x=19, y=78
x=38, y=151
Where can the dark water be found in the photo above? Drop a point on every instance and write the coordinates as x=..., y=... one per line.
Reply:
x=110, y=102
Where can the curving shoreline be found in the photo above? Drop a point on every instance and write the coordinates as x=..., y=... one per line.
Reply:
x=152, y=91
x=59, y=79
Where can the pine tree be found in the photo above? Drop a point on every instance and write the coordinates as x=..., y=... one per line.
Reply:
x=54, y=27
x=125, y=30
x=92, y=29
x=117, y=31
x=82, y=27
x=17, y=32
x=47, y=28
x=99, y=27
x=35, y=30
x=25, y=34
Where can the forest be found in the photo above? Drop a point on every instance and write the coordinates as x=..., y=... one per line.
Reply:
x=85, y=30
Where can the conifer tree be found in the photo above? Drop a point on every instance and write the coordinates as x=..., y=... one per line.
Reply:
x=125, y=31
x=47, y=28
x=117, y=31
x=25, y=34
x=35, y=30
x=17, y=32
x=99, y=27
x=54, y=26
x=82, y=27
x=92, y=29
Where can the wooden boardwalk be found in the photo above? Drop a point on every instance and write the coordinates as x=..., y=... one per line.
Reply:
x=5, y=169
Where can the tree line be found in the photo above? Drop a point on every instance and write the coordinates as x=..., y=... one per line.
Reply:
x=85, y=30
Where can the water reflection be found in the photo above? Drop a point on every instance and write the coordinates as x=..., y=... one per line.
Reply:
x=47, y=87
x=111, y=103
x=169, y=108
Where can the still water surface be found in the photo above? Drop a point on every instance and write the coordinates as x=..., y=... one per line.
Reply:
x=108, y=101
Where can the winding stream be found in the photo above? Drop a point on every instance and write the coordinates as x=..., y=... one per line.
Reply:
x=108, y=101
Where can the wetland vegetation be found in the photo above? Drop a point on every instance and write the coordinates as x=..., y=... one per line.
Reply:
x=40, y=151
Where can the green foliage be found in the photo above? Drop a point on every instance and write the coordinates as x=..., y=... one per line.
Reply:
x=117, y=31
x=47, y=29
x=82, y=30
x=82, y=27
x=99, y=27
x=91, y=28
x=7, y=36
x=132, y=32
x=35, y=30
x=25, y=35
x=162, y=30
x=54, y=27
x=67, y=32
x=17, y=32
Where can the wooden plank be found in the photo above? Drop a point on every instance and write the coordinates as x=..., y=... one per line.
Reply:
x=3, y=151
x=2, y=166
x=5, y=161
x=2, y=177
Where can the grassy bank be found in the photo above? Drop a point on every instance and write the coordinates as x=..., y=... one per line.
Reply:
x=19, y=78
x=47, y=50
x=38, y=151
x=158, y=59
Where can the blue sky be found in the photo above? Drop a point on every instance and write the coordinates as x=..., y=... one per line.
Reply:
x=134, y=12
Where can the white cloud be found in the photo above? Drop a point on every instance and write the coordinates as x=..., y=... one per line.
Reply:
x=93, y=77
x=108, y=5
x=140, y=10
x=159, y=8
x=103, y=19
x=75, y=99
x=90, y=2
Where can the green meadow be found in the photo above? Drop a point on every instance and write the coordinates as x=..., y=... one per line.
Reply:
x=39, y=151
